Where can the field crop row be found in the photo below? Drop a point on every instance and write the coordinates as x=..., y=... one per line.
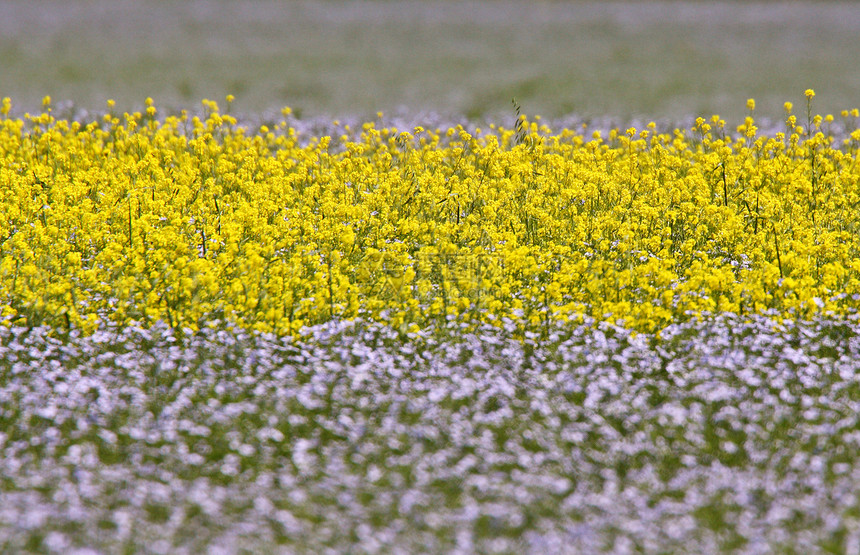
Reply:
x=186, y=219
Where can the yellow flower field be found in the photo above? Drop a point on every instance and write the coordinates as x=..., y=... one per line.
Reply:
x=140, y=218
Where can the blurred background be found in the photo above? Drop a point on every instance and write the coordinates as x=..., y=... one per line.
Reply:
x=335, y=58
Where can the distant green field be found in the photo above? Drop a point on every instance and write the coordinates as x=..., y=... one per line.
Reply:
x=622, y=59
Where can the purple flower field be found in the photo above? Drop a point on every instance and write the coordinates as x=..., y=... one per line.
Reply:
x=720, y=436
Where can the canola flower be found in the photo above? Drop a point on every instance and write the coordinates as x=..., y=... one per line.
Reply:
x=193, y=219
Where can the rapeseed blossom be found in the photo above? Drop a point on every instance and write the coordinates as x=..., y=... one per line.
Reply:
x=191, y=219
